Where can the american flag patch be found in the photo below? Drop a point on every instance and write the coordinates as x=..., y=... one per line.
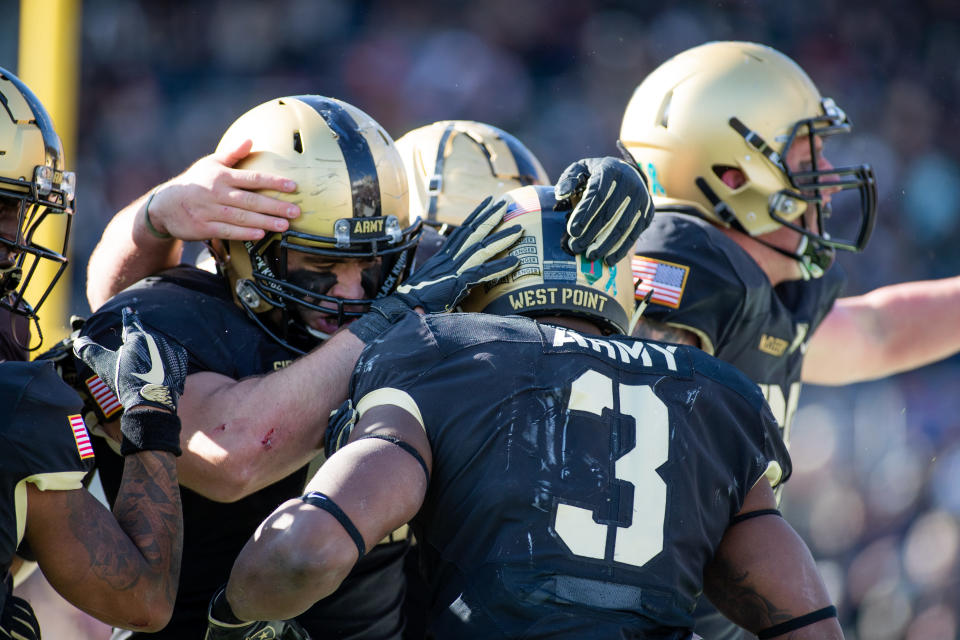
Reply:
x=108, y=402
x=666, y=279
x=525, y=201
x=81, y=436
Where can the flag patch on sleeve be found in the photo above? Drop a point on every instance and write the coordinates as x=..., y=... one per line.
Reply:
x=666, y=279
x=80, y=435
x=107, y=400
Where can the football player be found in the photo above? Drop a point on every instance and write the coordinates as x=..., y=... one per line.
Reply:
x=122, y=567
x=738, y=259
x=562, y=481
x=248, y=437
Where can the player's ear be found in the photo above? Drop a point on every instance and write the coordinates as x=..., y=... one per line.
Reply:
x=731, y=176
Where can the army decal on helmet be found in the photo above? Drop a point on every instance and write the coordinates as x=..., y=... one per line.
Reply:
x=549, y=280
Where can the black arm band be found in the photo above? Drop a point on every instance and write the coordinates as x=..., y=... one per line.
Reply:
x=147, y=430
x=405, y=446
x=321, y=501
x=797, y=623
x=753, y=514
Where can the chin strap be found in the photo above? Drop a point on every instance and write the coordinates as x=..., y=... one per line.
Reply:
x=812, y=264
x=812, y=259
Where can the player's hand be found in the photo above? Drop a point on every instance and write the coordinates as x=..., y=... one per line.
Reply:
x=147, y=369
x=614, y=207
x=257, y=630
x=17, y=620
x=260, y=630
x=446, y=278
x=212, y=199
x=339, y=426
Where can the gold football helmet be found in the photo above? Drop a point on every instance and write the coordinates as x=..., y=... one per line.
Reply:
x=739, y=105
x=33, y=185
x=352, y=193
x=550, y=281
x=454, y=164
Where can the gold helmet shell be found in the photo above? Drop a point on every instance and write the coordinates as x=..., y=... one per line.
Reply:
x=32, y=176
x=454, y=164
x=550, y=281
x=352, y=194
x=740, y=105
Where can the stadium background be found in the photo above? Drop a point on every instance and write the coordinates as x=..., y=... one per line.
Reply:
x=876, y=490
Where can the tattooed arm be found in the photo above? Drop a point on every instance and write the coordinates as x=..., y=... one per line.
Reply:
x=763, y=574
x=663, y=332
x=122, y=568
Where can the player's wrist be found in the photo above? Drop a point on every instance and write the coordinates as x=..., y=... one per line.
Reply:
x=147, y=429
x=153, y=224
x=383, y=314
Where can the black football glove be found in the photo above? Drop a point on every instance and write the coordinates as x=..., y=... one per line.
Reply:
x=147, y=369
x=613, y=210
x=446, y=278
x=257, y=630
x=339, y=426
x=17, y=620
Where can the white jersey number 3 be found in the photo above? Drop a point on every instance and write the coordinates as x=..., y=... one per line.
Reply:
x=593, y=392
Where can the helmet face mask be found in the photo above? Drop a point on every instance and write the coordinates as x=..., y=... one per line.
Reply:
x=33, y=186
x=352, y=192
x=454, y=164
x=550, y=281
x=744, y=106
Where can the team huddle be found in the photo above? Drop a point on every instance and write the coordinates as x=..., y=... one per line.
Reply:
x=412, y=389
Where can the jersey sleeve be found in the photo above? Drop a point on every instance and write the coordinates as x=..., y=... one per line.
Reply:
x=388, y=368
x=699, y=283
x=46, y=438
x=757, y=430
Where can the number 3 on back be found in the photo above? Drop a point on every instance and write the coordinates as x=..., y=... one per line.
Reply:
x=592, y=392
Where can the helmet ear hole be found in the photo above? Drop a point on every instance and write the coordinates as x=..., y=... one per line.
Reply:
x=297, y=142
x=730, y=176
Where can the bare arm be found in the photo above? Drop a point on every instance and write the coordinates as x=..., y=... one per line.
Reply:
x=211, y=199
x=301, y=553
x=763, y=574
x=886, y=331
x=240, y=436
x=121, y=568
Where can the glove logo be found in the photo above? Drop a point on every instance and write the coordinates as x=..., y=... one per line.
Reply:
x=267, y=633
x=155, y=375
x=157, y=393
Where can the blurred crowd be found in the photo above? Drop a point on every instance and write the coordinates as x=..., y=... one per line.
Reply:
x=876, y=489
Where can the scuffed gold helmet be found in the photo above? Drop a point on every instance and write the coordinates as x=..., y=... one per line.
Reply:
x=742, y=105
x=33, y=185
x=454, y=164
x=550, y=281
x=352, y=194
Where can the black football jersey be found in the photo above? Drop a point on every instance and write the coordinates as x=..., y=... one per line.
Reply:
x=43, y=441
x=580, y=484
x=705, y=283
x=195, y=308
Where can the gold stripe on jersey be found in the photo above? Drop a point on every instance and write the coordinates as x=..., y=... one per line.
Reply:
x=57, y=481
x=392, y=397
